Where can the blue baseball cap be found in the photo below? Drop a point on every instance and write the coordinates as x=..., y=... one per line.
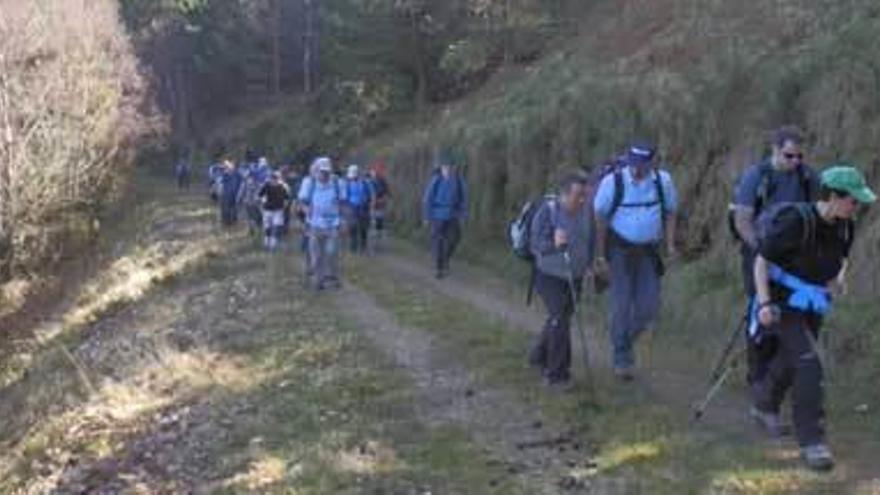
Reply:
x=640, y=153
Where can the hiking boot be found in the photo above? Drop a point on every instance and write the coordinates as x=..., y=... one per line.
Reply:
x=440, y=274
x=771, y=422
x=558, y=386
x=625, y=373
x=818, y=457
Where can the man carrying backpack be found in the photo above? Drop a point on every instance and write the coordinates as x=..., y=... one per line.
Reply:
x=444, y=206
x=231, y=191
x=560, y=242
x=382, y=192
x=359, y=194
x=782, y=177
x=633, y=207
x=802, y=251
x=274, y=196
x=322, y=197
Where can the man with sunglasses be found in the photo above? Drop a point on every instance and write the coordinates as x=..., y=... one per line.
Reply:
x=802, y=251
x=783, y=177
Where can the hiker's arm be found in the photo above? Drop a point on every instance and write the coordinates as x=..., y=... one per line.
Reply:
x=601, y=238
x=542, y=233
x=427, y=199
x=671, y=222
x=743, y=220
x=838, y=285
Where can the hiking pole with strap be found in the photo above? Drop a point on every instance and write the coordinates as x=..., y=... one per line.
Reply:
x=577, y=316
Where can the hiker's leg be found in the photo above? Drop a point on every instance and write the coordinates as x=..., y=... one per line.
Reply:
x=769, y=392
x=557, y=298
x=365, y=230
x=646, y=305
x=316, y=256
x=437, y=243
x=332, y=253
x=622, y=290
x=453, y=237
x=267, y=228
x=807, y=398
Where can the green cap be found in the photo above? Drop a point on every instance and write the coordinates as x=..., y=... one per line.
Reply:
x=846, y=178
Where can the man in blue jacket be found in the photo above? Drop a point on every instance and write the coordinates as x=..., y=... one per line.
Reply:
x=444, y=206
x=231, y=191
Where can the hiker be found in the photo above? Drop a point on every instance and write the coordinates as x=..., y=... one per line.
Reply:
x=633, y=206
x=261, y=171
x=322, y=197
x=560, y=243
x=782, y=177
x=215, y=171
x=274, y=195
x=182, y=172
x=382, y=193
x=802, y=251
x=293, y=180
x=251, y=202
x=359, y=202
x=230, y=194
x=444, y=207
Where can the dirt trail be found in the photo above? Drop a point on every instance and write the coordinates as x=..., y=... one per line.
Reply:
x=538, y=455
x=726, y=418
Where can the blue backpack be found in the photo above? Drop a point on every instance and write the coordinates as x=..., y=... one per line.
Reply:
x=358, y=192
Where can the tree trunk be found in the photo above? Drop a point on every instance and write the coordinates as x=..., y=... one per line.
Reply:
x=308, y=46
x=276, y=49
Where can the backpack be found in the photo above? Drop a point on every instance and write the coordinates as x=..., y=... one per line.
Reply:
x=519, y=236
x=519, y=230
x=358, y=192
x=769, y=225
x=437, y=176
x=762, y=198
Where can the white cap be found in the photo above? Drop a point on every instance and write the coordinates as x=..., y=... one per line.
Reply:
x=323, y=164
x=353, y=171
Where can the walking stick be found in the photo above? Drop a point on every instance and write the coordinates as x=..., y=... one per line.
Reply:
x=577, y=317
x=715, y=387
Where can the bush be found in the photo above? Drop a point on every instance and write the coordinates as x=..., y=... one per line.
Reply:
x=71, y=108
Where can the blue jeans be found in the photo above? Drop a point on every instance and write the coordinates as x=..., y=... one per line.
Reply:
x=635, y=298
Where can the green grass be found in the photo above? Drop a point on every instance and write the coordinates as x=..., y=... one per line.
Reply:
x=634, y=435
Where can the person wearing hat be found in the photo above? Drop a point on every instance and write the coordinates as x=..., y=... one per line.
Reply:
x=359, y=200
x=444, y=206
x=784, y=176
x=322, y=198
x=635, y=211
x=274, y=196
x=802, y=251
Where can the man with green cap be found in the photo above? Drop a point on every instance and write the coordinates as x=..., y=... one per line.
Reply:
x=802, y=251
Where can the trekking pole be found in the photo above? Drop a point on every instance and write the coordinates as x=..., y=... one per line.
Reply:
x=577, y=317
x=728, y=348
x=715, y=387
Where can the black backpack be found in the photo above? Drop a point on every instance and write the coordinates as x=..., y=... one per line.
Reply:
x=765, y=191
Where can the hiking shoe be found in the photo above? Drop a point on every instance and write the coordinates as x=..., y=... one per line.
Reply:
x=558, y=386
x=769, y=421
x=625, y=373
x=818, y=457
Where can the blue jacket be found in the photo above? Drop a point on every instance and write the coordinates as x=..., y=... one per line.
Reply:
x=445, y=199
x=231, y=185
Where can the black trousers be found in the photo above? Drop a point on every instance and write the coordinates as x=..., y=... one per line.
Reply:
x=359, y=231
x=795, y=367
x=551, y=350
x=759, y=352
x=445, y=235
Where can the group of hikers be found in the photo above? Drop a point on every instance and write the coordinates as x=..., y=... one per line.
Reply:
x=613, y=226
x=795, y=226
x=323, y=205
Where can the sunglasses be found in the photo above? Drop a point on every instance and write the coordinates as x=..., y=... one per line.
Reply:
x=793, y=156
